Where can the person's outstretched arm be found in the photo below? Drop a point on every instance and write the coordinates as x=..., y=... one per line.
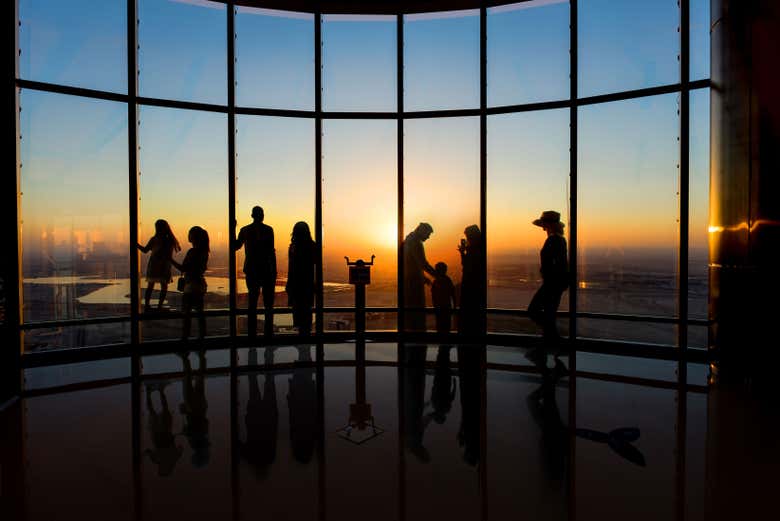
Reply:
x=147, y=248
x=181, y=267
x=418, y=252
x=239, y=242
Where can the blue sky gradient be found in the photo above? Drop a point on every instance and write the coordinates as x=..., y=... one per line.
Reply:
x=628, y=150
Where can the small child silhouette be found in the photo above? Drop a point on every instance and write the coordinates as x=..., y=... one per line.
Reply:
x=443, y=297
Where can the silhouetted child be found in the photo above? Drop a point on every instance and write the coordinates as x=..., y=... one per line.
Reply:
x=444, y=388
x=443, y=297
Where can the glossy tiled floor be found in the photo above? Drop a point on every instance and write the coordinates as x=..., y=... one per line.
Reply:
x=468, y=442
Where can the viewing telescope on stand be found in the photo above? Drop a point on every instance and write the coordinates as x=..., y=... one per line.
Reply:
x=360, y=427
x=360, y=276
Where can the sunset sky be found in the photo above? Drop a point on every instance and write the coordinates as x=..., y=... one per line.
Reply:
x=74, y=175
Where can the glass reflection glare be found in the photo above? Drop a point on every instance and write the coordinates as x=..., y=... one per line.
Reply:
x=74, y=205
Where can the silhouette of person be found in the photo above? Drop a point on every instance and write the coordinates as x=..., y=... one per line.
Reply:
x=415, y=267
x=302, y=257
x=262, y=422
x=443, y=298
x=444, y=387
x=555, y=274
x=302, y=403
x=193, y=267
x=555, y=435
x=469, y=362
x=194, y=407
x=471, y=317
x=414, y=404
x=257, y=239
x=166, y=453
x=158, y=270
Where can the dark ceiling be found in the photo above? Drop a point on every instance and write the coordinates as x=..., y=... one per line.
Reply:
x=371, y=6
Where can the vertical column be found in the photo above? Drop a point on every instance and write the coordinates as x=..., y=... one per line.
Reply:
x=682, y=268
x=400, y=165
x=573, y=86
x=483, y=482
x=132, y=163
x=573, y=72
x=685, y=105
x=231, y=133
x=744, y=189
x=11, y=341
x=320, y=316
x=401, y=293
x=483, y=141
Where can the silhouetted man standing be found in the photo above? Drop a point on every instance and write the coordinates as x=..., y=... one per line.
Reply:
x=415, y=268
x=259, y=268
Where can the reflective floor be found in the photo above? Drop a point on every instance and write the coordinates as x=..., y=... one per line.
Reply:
x=455, y=433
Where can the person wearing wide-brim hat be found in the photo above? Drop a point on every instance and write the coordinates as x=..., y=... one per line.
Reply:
x=555, y=277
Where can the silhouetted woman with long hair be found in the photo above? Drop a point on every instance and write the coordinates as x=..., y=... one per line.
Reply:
x=193, y=267
x=471, y=316
x=158, y=270
x=302, y=257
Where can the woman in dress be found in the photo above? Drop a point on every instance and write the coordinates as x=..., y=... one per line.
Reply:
x=302, y=257
x=158, y=270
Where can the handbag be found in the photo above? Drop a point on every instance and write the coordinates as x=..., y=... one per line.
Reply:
x=180, y=284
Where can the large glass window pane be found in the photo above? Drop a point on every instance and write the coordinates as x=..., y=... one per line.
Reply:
x=274, y=170
x=74, y=207
x=528, y=52
x=441, y=60
x=274, y=59
x=698, y=238
x=359, y=63
x=184, y=181
x=700, y=39
x=627, y=45
x=628, y=212
x=360, y=208
x=81, y=43
x=528, y=173
x=182, y=50
x=441, y=185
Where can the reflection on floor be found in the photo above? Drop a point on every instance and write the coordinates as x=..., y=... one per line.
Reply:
x=457, y=432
